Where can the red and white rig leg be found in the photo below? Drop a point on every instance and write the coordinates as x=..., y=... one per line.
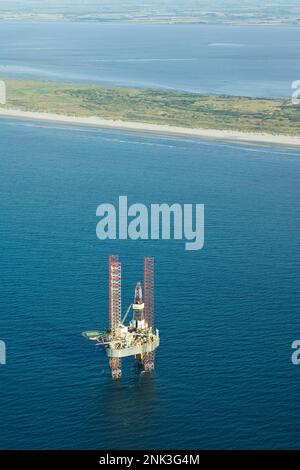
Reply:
x=116, y=368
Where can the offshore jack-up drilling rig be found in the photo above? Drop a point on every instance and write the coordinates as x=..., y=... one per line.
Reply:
x=138, y=338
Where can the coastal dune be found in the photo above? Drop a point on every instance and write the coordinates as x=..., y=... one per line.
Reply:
x=251, y=137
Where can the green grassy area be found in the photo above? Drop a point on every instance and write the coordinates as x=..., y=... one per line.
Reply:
x=275, y=116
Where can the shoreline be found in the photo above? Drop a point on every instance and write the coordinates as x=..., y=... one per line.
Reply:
x=154, y=22
x=159, y=129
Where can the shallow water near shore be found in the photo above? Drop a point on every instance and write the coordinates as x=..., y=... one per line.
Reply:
x=258, y=61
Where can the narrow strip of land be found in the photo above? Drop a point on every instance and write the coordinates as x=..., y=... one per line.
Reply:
x=262, y=121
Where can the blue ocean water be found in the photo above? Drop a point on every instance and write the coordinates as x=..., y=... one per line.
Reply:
x=227, y=314
x=235, y=60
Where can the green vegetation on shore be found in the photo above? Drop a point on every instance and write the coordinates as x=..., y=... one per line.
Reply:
x=175, y=108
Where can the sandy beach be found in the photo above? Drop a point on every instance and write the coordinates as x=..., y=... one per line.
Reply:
x=251, y=137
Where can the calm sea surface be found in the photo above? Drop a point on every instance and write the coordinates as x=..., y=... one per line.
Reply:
x=227, y=314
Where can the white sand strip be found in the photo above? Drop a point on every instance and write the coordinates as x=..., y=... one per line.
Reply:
x=256, y=138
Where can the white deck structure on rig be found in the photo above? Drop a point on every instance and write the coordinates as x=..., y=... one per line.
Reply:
x=138, y=338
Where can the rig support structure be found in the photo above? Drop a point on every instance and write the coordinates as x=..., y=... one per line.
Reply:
x=149, y=357
x=114, y=308
x=138, y=338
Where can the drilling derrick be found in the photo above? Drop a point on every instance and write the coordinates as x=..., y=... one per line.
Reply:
x=138, y=320
x=138, y=338
x=114, y=299
x=138, y=306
